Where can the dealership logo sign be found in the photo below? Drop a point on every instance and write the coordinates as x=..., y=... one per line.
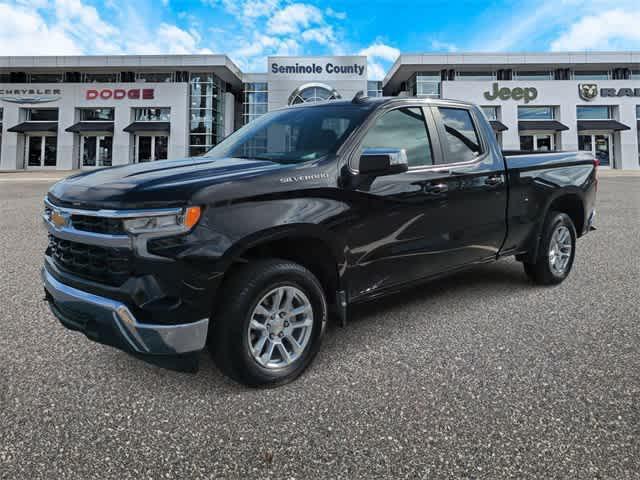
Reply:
x=315, y=69
x=120, y=94
x=30, y=95
x=517, y=93
x=589, y=91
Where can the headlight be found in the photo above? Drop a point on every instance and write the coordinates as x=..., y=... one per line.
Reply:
x=182, y=221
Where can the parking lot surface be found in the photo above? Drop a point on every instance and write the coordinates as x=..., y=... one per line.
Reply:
x=481, y=375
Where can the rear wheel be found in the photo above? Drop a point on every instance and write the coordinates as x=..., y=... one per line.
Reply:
x=270, y=324
x=556, y=252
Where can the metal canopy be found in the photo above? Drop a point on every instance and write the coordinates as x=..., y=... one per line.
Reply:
x=26, y=127
x=91, y=127
x=147, y=127
x=542, y=125
x=498, y=126
x=601, y=125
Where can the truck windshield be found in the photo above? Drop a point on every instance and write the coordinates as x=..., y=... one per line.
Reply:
x=293, y=135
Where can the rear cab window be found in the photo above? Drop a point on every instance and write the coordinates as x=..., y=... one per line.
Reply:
x=459, y=138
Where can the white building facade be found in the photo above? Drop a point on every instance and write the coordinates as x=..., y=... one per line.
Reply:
x=69, y=113
x=539, y=101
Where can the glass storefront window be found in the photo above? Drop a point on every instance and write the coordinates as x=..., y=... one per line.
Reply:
x=594, y=112
x=534, y=75
x=425, y=84
x=155, y=77
x=637, y=112
x=475, y=75
x=97, y=114
x=490, y=112
x=314, y=93
x=206, y=112
x=150, y=148
x=152, y=114
x=536, y=113
x=96, y=150
x=103, y=77
x=374, y=88
x=539, y=142
x=42, y=115
x=591, y=75
x=46, y=77
x=255, y=101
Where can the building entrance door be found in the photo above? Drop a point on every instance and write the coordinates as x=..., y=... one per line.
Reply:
x=151, y=147
x=600, y=145
x=41, y=151
x=96, y=150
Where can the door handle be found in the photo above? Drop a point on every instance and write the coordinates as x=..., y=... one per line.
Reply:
x=493, y=180
x=437, y=189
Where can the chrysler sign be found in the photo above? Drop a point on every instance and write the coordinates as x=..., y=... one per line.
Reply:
x=30, y=95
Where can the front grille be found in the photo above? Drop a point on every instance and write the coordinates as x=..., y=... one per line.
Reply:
x=111, y=266
x=105, y=225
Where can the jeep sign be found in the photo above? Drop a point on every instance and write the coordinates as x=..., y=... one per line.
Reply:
x=517, y=93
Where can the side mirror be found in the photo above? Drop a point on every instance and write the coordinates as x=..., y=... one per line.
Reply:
x=383, y=161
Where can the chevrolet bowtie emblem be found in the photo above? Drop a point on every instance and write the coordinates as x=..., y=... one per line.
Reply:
x=58, y=219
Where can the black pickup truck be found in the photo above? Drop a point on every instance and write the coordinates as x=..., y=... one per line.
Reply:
x=304, y=211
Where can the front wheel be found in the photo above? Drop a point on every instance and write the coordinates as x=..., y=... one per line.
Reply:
x=556, y=252
x=270, y=324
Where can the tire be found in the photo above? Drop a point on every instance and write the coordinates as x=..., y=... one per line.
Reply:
x=252, y=292
x=551, y=268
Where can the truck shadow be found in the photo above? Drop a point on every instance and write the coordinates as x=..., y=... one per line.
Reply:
x=481, y=284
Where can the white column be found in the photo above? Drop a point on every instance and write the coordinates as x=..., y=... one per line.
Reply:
x=11, y=156
x=568, y=116
x=67, y=157
x=509, y=116
x=627, y=155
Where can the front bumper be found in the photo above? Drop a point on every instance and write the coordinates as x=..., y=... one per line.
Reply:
x=110, y=322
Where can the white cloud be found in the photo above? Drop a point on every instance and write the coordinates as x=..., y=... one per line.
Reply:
x=321, y=35
x=379, y=56
x=25, y=32
x=71, y=27
x=613, y=29
x=293, y=18
x=443, y=46
x=332, y=13
x=380, y=50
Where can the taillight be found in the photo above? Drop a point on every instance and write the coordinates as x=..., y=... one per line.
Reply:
x=596, y=164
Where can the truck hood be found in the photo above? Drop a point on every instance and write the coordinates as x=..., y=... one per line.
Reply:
x=155, y=184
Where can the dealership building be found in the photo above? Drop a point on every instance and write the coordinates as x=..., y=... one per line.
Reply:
x=77, y=112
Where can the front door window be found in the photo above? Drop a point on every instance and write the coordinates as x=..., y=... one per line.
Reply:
x=151, y=148
x=41, y=151
x=96, y=151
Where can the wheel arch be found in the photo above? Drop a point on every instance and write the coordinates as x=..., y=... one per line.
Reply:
x=308, y=245
x=569, y=202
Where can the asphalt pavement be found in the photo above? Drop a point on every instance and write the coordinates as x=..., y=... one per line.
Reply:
x=481, y=375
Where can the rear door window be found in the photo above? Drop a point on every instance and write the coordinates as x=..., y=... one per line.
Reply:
x=461, y=142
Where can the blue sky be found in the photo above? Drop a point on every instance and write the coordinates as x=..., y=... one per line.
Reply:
x=250, y=30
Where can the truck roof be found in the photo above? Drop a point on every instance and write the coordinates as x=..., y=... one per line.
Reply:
x=375, y=102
